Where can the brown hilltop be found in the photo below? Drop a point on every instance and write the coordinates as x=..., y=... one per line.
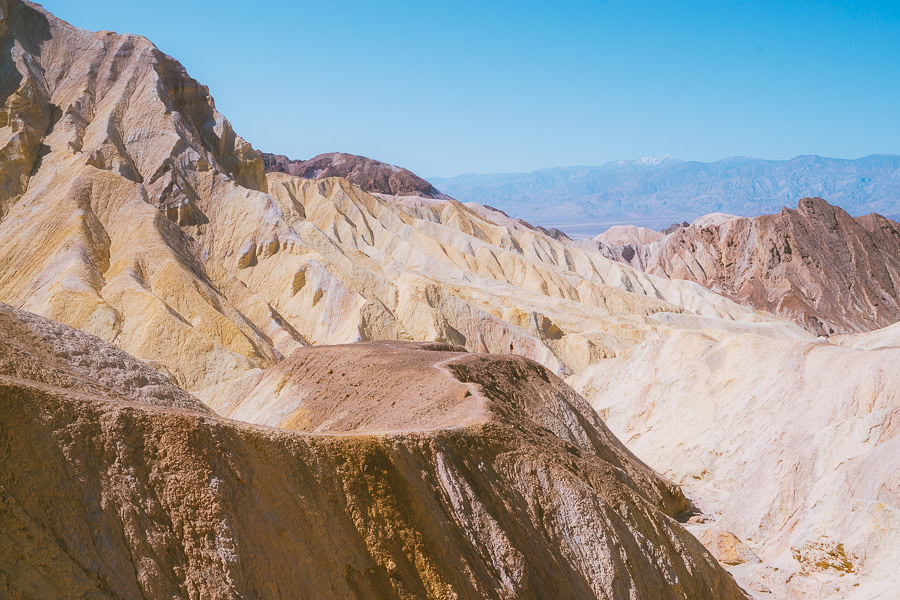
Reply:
x=371, y=175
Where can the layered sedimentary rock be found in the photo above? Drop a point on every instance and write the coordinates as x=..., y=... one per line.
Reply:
x=112, y=487
x=371, y=175
x=790, y=446
x=816, y=265
x=92, y=237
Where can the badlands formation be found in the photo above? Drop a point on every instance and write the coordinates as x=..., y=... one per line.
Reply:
x=223, y=423
x=792, y=447
x=816, y=265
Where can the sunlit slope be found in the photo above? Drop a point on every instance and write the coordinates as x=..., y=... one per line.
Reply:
x=138, y=215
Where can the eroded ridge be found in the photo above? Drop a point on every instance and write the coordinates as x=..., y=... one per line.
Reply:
x=515, y=491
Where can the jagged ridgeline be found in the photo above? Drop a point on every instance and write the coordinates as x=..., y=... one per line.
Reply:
x=816, y=265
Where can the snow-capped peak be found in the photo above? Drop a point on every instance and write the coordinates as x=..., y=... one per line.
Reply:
x=652, y=161
x=646, y=161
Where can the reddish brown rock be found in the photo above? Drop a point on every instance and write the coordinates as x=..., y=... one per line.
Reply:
x=371, y=175
x=816, y=265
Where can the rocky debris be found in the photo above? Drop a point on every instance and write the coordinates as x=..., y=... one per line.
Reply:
x=534, y=498
x=371, y=175
x=816, y=265
x=824, y=556
x=726, y=547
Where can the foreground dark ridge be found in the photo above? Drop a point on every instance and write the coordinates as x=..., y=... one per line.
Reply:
x=108, y=492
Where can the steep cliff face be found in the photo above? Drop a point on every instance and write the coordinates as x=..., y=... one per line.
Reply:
x=25, y=111
x=108, y=138
x=371, y=175
x=816, y=265
x=113, y=487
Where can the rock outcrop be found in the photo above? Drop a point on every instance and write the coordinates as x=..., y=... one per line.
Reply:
x=108, y=490
x=48, y=354
x=816, y=265
x=372, y=176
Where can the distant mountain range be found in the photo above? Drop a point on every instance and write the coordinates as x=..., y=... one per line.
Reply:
x=657, y=190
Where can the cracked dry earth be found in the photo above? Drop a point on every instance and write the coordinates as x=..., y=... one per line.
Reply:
x=490, y=479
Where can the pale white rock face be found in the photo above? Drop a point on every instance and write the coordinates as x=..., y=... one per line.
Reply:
x=887, y=337
x=791, y=446
x=712, y=219
x=622, y=235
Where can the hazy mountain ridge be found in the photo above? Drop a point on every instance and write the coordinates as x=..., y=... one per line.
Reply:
x=684, y=189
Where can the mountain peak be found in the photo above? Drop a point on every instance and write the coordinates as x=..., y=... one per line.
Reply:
x=371, y=175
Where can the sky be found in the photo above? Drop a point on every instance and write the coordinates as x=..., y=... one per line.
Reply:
x=460, y=87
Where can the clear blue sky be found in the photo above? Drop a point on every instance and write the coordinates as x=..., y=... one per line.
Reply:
x=447, y=88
